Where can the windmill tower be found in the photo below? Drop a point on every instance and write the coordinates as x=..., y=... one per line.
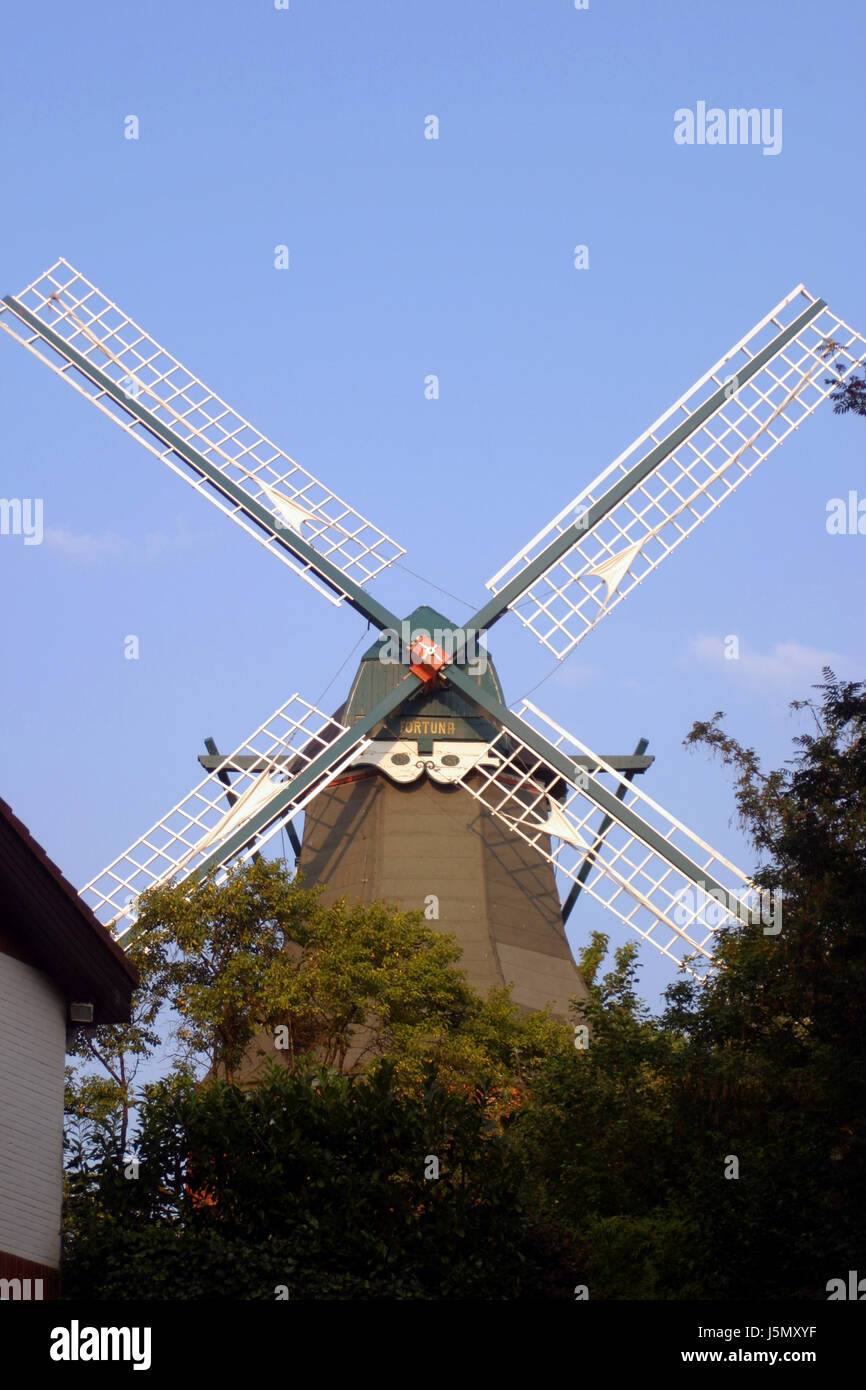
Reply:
x=397, y=827
x=397, y=802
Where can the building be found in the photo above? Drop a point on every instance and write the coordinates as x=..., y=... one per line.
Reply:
x=58, y=966
x=395, y=828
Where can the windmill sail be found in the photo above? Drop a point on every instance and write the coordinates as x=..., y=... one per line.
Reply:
x=635, y=513
x=259, y=793
x=657, y=876
x=69, y=324
x=270, y=785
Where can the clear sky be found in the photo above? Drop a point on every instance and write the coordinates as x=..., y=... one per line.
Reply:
x=306, y=127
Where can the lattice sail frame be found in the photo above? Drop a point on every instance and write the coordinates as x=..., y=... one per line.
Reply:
x=646, y=892
x=569, y=599
x=600, y=569
x=192, y=833
x=66, y=302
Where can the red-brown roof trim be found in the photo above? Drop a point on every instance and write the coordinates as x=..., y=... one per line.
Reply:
x=57, y=929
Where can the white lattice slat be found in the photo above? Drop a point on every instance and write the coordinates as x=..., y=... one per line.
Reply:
x=609, y=559
x=630, y=872
x=112, y=343
x=192, y=833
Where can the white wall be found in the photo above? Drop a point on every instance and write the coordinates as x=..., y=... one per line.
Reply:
x=32, y=1047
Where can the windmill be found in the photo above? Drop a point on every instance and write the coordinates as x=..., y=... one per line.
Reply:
x=425, y=776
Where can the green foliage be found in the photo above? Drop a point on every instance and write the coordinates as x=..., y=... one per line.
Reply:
x=100, y=1107
x=560, y=1165
x=849, y=396
x=776, y=1047
x=310, y=1180
x=223, y=959
x=489, y=1043
x=598, y=1147
x=367, y=977
x=241, y=958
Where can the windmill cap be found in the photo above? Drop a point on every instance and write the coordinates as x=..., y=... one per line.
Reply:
x=441, y=712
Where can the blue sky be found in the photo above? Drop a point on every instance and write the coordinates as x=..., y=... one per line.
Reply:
x=408, y=257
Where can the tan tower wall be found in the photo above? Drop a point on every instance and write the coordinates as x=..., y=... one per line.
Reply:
x=368, y=839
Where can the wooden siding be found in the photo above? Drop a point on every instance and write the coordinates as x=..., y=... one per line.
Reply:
x=32, y=1046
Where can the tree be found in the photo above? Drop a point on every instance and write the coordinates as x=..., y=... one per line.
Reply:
x=365, y=990
x=344, y=1188
x=489, y=1045
x=775, y=1068
x=100, y=1106
x=254, y=968
x=257, y=953
x=599, y=1145
x=850, y=395
x=224, y=957
x=716, y=1151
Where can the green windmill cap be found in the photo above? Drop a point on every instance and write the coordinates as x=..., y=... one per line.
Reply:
x=441, y=713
